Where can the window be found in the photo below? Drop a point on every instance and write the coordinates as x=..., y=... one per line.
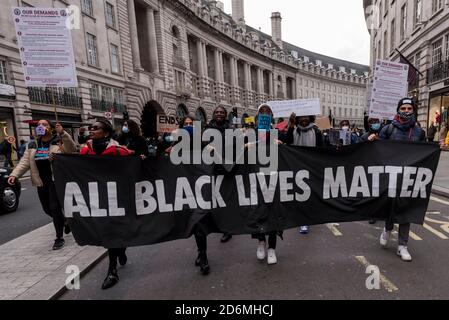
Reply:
x=87, y=7
x=437, y=52
x=403, y=21
x=385, y=45
x=92, y=54
x=118, y=96
x=393, y=35
x=107, y=94
x=3, y=72
x=379, y=51
x=418, y=11
x=418, y=60
x=386, y=6
x=436, y=5
x=115, y=59
x=110, y=16
x=447, y=46
x=94, y=92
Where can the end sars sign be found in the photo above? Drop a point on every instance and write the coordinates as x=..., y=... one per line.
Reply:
x=45, y=45
x=166, y=124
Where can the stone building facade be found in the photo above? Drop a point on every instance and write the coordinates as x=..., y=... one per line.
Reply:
x=419, y=29
x=174, y=57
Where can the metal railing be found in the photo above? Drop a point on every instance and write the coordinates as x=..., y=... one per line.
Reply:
x=102, y=105
x=55, y=97
x=438, y=72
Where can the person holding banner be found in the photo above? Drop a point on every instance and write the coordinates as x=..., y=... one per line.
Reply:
x=374, y=127
x=132, y=138
x=402, y=128
x=102, y=144
x=303, y=132
x=264, y=123
x=345, y=126
x=38, y=161
x=221, y=123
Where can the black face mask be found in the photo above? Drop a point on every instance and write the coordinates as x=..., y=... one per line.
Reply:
x=100, y=145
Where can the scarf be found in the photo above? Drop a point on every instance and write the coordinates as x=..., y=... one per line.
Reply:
x=304, y=136
x=403, y=126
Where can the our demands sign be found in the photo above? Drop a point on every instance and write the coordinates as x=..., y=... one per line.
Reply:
x=45, y=45
x=153, y=200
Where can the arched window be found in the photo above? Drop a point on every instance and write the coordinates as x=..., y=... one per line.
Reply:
x=181, y=111
x=201, y=116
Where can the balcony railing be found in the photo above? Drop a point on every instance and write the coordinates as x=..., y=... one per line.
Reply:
x=104, y=106
x=438, y=72
x=53, y=97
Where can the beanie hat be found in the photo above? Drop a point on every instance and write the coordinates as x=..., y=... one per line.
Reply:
x=407, y=101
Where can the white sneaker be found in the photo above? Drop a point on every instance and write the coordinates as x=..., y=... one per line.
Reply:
x=272, y=257
x=384, y=237
x=261, y=250
x=404, y=254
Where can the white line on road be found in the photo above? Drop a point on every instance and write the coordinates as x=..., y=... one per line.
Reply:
x=439, y=200
x=387, y=284
x=333, y=227
x=435, y=232
x=24, y=189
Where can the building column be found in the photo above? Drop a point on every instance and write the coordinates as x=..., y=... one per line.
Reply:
x=247, y=76
x=259, y=81
x=152, y=41
x=217, y=66
x=233, y=67
x=134, y=39
x=199, y=49
x=270, y=84
x=205, y=62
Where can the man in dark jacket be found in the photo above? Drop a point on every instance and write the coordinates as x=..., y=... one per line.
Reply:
x=402, y=128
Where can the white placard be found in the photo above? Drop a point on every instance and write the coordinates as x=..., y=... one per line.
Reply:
x=7, y=90
x=45, y=45
x=389, y=86
x=302, y=107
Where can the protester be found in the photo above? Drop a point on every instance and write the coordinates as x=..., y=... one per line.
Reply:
x=82, y=136
x=303, y=132
x=345, y=126
x=132, y=138
x=402, y=128
x=221, y=123
x=374, y=127
x=443, y=133
x=102, y=144
x=6, y=150
x=38, y=161
x=22, y=149
x=263, y=136
x=431, y=132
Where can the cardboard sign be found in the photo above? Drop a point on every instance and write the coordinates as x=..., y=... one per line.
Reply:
x=323, y=123
x=302, y=107
x=166, y=124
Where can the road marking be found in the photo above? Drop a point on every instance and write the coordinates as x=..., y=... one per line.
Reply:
x=387, y=284
x=433, y=212
x=414, y=236
x=24, y=189
x=435, y=232
x=333, y=227
x=439, y=200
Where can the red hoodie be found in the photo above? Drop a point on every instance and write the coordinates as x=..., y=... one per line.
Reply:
x=113, y=149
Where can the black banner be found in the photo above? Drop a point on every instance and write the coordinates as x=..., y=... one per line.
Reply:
x=124, y=201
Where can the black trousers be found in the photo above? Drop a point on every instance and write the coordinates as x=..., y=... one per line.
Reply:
x=201, y=242
x=50, y=204
x=272, y=239
x=113, y=254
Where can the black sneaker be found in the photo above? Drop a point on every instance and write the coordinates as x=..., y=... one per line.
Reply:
x=122, y=259
x=111, y=279
x=67, y=229
x=59, y=243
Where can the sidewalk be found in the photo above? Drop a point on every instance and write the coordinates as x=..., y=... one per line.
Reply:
x=441, y=182
x=31, y=270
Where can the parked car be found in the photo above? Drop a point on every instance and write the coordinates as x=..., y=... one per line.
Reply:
x=10, y=195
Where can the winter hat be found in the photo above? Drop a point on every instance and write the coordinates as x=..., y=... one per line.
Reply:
x=406, y=101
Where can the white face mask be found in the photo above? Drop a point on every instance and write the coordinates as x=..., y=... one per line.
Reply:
x=346, y=128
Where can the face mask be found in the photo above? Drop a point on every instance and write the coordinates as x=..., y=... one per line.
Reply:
x=125, y=129
x=406, y=115
x=264, y=122
x=189, y=129
x=375, y=126
x=169, y=139
x=346, y=128
x=41, y=131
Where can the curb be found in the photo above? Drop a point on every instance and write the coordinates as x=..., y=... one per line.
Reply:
x=88, y=268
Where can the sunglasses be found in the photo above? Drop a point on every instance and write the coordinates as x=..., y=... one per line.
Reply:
x=94, y=128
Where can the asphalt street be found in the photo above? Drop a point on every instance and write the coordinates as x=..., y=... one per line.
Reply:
x=329, y=263
x=28, y=217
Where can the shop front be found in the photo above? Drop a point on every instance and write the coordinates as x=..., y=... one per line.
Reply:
x=438, y=108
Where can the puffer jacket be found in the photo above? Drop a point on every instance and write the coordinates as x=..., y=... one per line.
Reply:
x=396, y=130
x=113, y=149
x=27, y=162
